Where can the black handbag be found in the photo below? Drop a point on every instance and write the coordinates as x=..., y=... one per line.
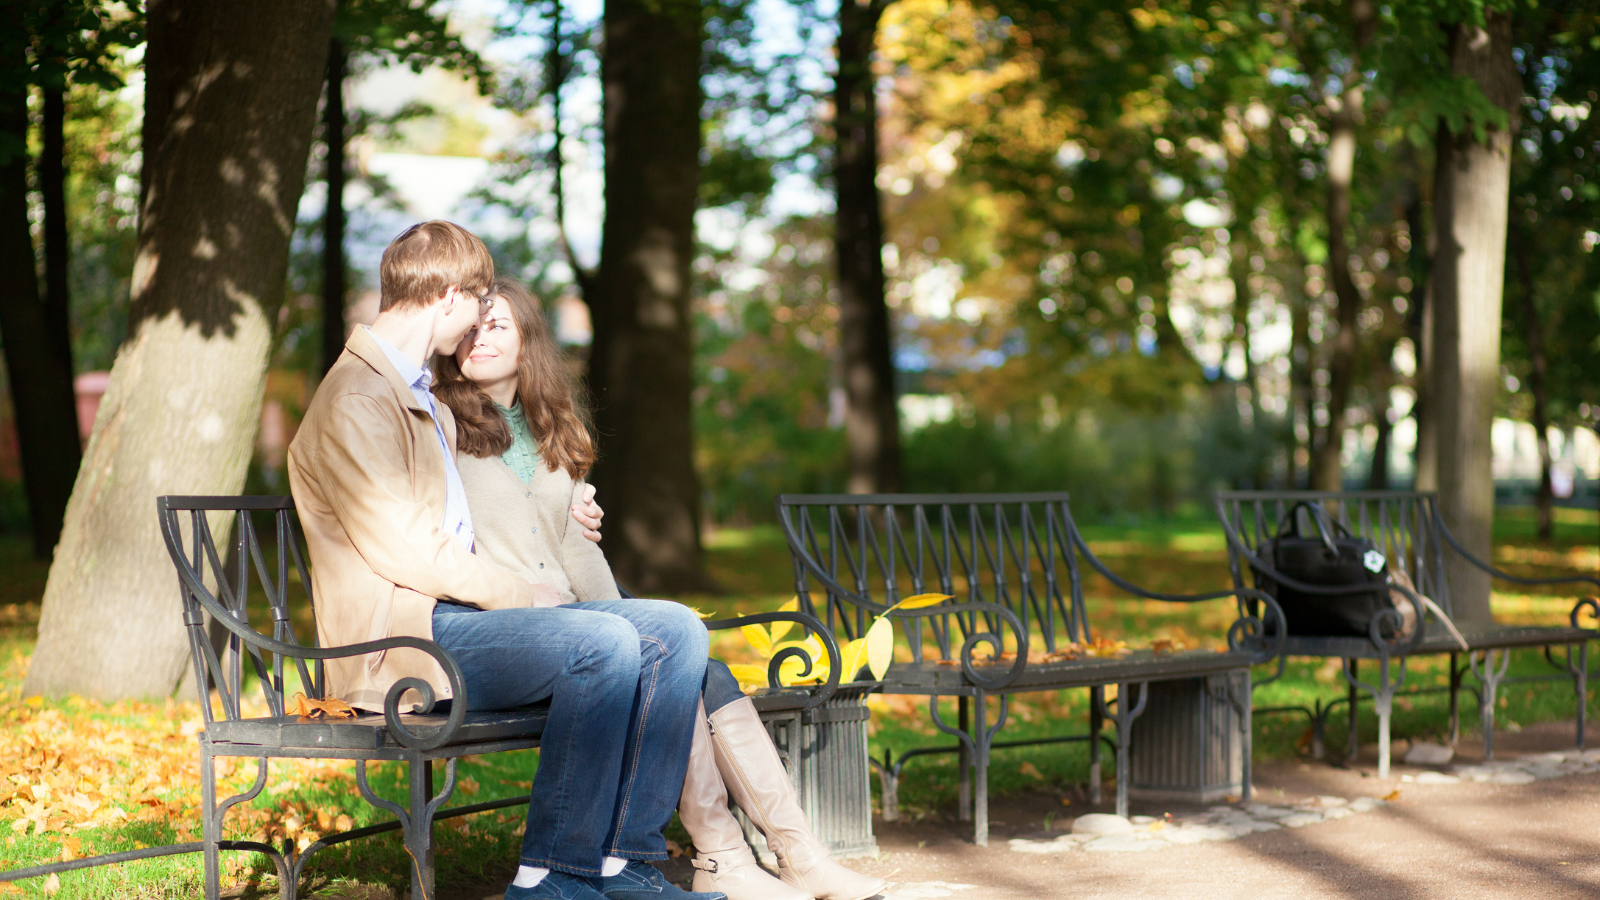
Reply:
x=1334, y=559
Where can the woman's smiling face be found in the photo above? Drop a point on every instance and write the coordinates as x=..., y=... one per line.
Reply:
x=488, y=354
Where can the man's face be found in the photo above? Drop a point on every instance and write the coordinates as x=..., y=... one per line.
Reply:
x=463, y=310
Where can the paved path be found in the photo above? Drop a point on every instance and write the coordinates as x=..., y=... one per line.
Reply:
x=1454, y=841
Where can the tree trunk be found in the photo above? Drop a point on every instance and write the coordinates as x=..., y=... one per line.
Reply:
x=1470, y=205
x=1419, y=326
x=333, y=265
x=37, y=349
x=640, y=367
x=872, y=419
x=1327, y=473
x=1544, y=500
x=1382, y=381
x=230, y=99
x=1301, y=400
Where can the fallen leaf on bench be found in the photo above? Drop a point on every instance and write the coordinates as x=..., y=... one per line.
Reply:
x=306, y=708
x=1163, y=645
x=918, y=601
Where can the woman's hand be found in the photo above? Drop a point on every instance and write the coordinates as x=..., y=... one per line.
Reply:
x=588, y=514
x=545, y=596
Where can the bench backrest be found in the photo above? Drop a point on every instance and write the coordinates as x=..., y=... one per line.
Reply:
x=1403, y=525
x=234, y=583
x=855, y=555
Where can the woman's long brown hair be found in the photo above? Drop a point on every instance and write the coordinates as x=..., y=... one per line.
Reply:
x=551, y=398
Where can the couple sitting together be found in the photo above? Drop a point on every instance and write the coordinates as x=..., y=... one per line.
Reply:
x=433, y=474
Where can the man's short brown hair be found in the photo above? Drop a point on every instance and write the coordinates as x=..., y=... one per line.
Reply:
x=426, y=259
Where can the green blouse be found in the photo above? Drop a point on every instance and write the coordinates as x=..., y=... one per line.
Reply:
x=523, y=455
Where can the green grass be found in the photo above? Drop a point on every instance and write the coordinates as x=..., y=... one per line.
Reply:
x=1183, y=553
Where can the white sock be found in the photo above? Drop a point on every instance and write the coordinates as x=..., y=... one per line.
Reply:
x=529, y=876
x=612, y=866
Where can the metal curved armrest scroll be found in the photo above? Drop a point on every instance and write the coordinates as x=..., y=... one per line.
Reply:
x=1499, y=573
x=835, y=660
x=996, y=642
x=195, y=587
x=1593, y=605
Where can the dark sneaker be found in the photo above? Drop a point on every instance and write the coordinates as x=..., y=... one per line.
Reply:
x=642, y=881
x=556, y=886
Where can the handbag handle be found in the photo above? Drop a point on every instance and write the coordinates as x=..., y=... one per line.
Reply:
x=1324, y=524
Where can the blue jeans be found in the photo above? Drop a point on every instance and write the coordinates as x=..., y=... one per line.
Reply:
x=623, y=678
x=721, y=687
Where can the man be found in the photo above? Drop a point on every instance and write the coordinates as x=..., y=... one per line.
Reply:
x=373, y=473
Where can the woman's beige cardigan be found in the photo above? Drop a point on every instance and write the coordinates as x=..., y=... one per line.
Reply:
x=529, y=529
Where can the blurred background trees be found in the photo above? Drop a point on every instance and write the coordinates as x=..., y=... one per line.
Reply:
x=1138, y=251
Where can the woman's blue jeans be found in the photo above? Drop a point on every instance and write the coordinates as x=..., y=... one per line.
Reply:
x=623, y=678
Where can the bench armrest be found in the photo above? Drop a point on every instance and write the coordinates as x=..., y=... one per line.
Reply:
x=811, y=624
x=1467, y=555
x=432, y=739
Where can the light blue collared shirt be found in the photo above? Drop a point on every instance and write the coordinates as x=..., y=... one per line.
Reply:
x=457, y=517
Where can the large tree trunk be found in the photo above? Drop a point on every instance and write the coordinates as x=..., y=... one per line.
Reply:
x=1470, y=205
x=872, y=419
x=1419, y=327
x=1544, y=500
x=37, y=349
x=640, y=368
x=333, y=265
x=230, y=100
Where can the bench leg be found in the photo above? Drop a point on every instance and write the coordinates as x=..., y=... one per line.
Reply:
x=1490, y=676
x=1353, y=744
x=963, y=762
x=980, y=771
x=416, y=818
x=1319, y=730
x=1582, y=684
x=210, y=822
x=1455, y=700
x=1097, y=702
x=1383, y=705
x=1247, y=736
x=889, y=780
x=1126, y=713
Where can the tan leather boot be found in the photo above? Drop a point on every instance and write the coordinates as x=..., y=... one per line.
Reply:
x=723, y=861
x=754, y=774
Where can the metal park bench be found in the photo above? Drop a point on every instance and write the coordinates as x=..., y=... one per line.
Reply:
x=1406, y=527
x=1014, y=564
x=220, y=591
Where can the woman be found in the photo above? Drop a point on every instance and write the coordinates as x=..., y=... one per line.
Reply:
x=523, y=450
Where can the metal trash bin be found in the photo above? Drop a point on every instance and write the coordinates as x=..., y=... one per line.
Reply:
x=831, y=779
x=1189, y=745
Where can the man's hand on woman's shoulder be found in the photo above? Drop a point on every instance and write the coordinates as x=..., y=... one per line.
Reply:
x=588, y=514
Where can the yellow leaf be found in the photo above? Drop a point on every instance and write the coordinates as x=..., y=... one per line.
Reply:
x=855, y=656
x=779, y=629
x=758, y=638
x=701, y=613
x=812, y=647
x=306, y=708
x=748, y=675
x=789, y=673
x=919, y=601
x=1392, y=795
x=1031, y=770
x=880, y=647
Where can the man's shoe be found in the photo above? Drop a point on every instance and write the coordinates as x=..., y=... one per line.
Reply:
x=642, y=881
x=556, y=886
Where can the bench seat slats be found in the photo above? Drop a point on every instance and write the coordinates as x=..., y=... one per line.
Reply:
x=370, y=732
x=1438, y=640
x=1139, y=665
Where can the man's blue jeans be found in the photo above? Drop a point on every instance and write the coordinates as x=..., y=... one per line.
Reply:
x=623, y=678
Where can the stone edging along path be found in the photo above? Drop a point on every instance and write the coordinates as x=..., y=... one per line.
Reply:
x=1100, y=832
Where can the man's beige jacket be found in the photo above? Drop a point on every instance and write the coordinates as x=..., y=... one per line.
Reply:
x=368, y=481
